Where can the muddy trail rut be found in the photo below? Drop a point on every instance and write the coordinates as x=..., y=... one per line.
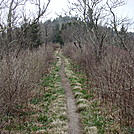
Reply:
x=73, y=116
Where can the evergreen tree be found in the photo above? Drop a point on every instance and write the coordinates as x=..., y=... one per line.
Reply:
x=31, y=35
x=57, y=35
x=35, y=35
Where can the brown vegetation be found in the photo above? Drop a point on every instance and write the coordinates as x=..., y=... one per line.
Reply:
x=111, y=78
x=19, y=77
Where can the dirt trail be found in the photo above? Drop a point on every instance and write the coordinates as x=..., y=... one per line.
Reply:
x=74, y=122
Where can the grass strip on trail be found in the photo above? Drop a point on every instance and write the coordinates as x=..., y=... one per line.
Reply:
x=95, y=117
x=47, y=111
x=54, y=103
x=82, y=100
x=88, y=106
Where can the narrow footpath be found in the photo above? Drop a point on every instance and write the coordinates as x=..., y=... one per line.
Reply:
x=74, y=122
x=60, y=105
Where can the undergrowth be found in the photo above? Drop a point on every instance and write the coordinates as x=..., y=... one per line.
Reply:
x=91, y=108
x=46, y=112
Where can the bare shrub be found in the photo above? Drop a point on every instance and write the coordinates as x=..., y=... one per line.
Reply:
x=113, y=77
x=19, y=76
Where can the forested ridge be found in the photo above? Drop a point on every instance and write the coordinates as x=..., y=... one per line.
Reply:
x=70, y=75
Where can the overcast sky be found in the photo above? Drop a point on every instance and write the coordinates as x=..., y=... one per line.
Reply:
x=57, y=6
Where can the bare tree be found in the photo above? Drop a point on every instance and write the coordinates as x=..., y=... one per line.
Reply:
x=17, y=78
x=96, y=14
x=113, y=75
x=92, y=14
x=42, y=8
x=12, y=6
x=124, y=23
x=14, y=13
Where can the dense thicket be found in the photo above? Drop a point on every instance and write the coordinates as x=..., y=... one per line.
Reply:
x=105, y=54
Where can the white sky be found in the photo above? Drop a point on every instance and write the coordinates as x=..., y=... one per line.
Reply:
x=128, y=9
x=57, y=6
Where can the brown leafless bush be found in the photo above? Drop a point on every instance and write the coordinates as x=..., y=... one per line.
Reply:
x=19, y=76
x=113, y=77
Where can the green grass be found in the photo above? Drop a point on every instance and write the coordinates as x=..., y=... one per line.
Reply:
x=43, y=118
x=88, y=106
x=43, y=112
